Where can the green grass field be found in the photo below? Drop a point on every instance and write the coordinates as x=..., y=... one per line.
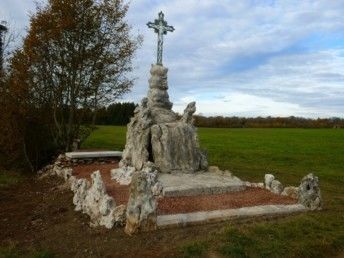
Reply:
x=289, y=154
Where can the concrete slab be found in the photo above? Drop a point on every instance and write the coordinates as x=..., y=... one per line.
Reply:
x=93, y=154
x=200, y=183
x=185, y=219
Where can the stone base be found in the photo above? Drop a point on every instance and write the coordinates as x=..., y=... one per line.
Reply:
x=199, y=183
x=185, y=219
x=93, y=154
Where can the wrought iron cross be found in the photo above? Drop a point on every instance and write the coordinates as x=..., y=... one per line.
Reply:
x=161, y=28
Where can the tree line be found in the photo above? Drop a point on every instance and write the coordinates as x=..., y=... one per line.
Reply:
x=114, y=114
x=268, y=122
x=120, y=114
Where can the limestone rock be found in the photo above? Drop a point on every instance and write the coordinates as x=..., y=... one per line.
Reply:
x=268, y=180
x=248, y=184
x=260, y=185
x=158, y=99
x=157, y=94
x=122, y=175
x=90, y=198
x=188, y=112
x=71, y=181
x=276, y=187
x=214, y=169
x=256, y=185
x=136, y=151
x=65, y=173
x=80, y=188
x=60, y=168
x=175, y=148
x=93, y=200
x=141, y=208
x=309, y=192
x=119, y=215
x=156, y=134
x=291, y=191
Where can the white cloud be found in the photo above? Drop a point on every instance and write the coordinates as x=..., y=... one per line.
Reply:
x=237, y=103
x=309, y=85
x=256, y=52
x=213, y=38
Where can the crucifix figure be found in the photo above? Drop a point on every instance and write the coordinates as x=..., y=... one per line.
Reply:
x=160, y=27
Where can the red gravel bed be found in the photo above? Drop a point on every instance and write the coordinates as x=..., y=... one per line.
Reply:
x=247, y=198
x=120, y=193
x=184, y=204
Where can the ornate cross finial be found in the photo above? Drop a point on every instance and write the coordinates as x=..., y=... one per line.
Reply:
x=160, y=27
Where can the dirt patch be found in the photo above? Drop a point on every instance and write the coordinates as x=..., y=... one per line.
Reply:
x=39, y=215
x=250, y=197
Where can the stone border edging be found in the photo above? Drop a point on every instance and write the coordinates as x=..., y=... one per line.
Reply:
x=184, y=219
x=93, y=154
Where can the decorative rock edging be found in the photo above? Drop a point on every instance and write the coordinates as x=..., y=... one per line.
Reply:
x=165, y=221
x=93, y=154
x=142, y=205
x=140, y=214
x=256, y=185
x=63, y=161
x=93, y=200
x=123, y=175
x=61, y=168
x=90, y=198
x=308, y=193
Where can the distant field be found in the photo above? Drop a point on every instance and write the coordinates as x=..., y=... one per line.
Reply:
x=287, y=153
x=106, y=137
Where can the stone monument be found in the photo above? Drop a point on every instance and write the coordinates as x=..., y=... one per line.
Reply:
x=158, y=141
x=163, y=160
x=156, y=134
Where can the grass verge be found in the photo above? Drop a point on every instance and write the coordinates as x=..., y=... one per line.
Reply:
x=289, y=154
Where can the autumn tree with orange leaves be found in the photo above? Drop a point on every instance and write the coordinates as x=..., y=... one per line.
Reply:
x=76, y=56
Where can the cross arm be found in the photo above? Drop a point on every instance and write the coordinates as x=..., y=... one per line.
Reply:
x=152, y=25
x=169, y=28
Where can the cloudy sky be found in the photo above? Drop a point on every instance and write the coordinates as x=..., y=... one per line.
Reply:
x=243, y=58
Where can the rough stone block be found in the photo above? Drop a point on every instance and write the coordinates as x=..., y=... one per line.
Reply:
x=276, y=187
x=309, y=192
x=175, y=148
x=291, y=191
x=268, y=180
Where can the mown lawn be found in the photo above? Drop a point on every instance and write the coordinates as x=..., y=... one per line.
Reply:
x=287, y=153
x=106, y=137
